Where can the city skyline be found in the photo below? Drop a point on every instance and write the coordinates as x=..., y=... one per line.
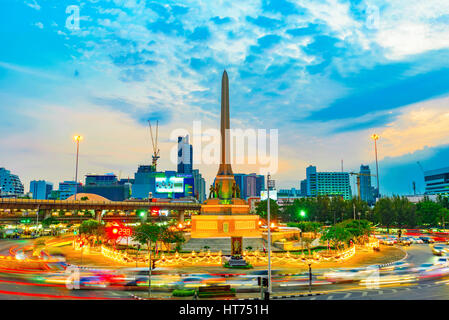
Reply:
x=325, y=78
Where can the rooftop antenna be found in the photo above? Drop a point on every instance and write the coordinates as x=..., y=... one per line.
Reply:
x=341, y=165
x=155, y=155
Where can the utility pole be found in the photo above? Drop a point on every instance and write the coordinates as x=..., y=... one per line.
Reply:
x=270, y=183
x=375, y=137
x=353, y=206
x=77, y=139
x=37, y=220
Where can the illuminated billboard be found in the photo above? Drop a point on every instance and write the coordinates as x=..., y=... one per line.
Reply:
x=170, y=185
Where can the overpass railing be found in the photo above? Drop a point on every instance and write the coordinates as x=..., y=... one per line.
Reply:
x=103, y=203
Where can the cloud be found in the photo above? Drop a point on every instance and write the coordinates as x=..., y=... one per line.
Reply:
x=200, y=34
x=375, y=95
x=133, y=75
x=265, y=42
x=281, y=6
x=40, y=25
x=169, y=28
x=374, y=122
x=141, y=112
x=314, y=69
x=133, y=59
x=264, y=22
x=217, y=20
x=33, y=4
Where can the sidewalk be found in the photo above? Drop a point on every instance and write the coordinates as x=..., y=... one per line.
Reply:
x=239, y=295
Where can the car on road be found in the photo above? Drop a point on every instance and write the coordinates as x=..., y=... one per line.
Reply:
x=443, y=261
x=405, y=241
x=427, y=239
x=416, y=240
x=347, y=275
x=389, y=241
x=400, y=265
x=438, y=250
x=198, y=280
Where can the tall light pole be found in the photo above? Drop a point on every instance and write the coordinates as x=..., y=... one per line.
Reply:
x=270, y=184
x=77, y=138
x=375, y=137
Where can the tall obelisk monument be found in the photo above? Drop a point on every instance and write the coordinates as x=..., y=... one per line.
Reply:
x=225, y=214
x=225, y=165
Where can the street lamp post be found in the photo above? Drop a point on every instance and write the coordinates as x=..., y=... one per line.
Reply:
x=375, y=137
x=77, y=138
x=310, y=276
x=149, y=264
x=270, y=184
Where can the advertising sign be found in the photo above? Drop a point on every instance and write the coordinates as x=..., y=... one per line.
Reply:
x=273, y=195
x=170, y=185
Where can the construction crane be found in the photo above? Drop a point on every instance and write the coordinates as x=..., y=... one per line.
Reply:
x=420, y=166
x=358, y=179
x=155, y=155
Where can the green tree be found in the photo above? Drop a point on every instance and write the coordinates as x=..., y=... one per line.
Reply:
x=443, y=216
x=92, y=228
x=358, y=229
x=337, y=235
x=405, y=212
x=147, y=234
x=261, y=209
x=168, y=235
x=323, y=213
x=337, y=209
x=428, y=212
x=384, y=212
x=303, y=209
x=49, y=221
x=443, y=201
x=355, y=206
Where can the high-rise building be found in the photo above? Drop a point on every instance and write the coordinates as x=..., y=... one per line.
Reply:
x=166, y=184
x=437, y=181
x=10, y=184
x=366, y=189
x=185, y=155
x=199, y=185
x=311, y=179
x=328, y=183
x=101, y=179
x=304, y=188
x=250, y=184
x=107, y=186
x=41, y=189
x=68, y=188
x=289, y=193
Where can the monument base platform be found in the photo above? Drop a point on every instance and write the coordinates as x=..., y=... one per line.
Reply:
x=210, y=226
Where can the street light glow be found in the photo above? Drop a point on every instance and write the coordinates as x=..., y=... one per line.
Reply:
x=77, y=138
x=302, y=213
x=375, y=136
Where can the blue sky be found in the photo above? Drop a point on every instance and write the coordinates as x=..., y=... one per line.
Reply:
x=326, y=74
